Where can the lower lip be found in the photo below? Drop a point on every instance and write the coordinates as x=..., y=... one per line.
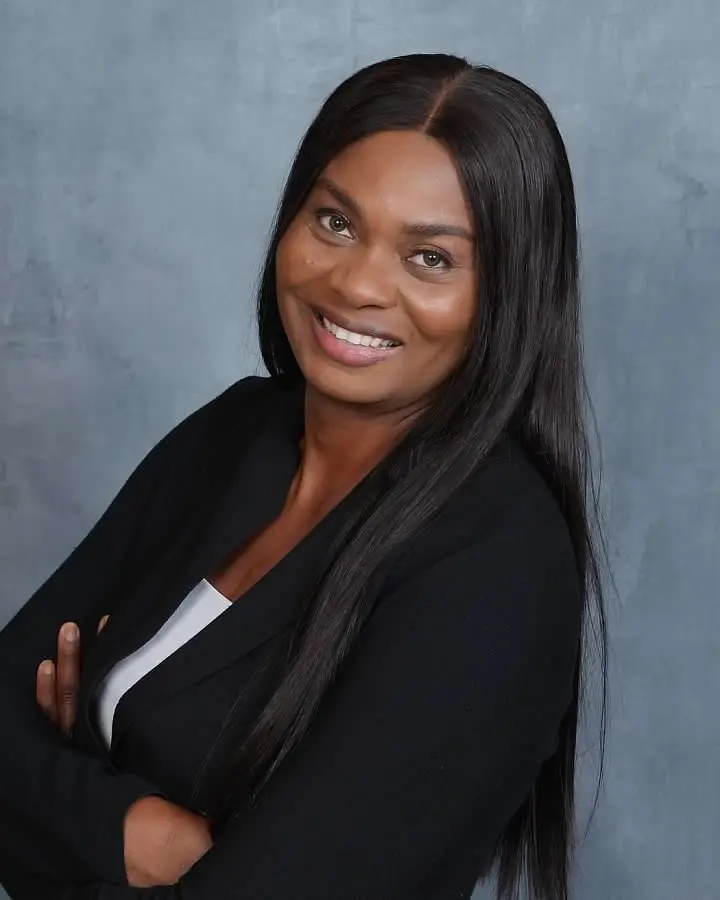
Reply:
x=349, y=354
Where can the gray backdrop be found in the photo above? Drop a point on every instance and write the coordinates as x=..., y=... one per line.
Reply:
x=142, y=148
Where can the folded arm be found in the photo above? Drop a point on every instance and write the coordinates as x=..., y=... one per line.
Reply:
x=66, y=809
x=438, y=722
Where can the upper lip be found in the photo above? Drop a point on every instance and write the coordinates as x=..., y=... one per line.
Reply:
x=357, y=327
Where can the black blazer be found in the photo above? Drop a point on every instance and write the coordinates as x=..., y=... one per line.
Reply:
x=428, y=741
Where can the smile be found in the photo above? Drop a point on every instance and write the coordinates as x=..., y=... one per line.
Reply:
x=355, y=337
x=351, y=348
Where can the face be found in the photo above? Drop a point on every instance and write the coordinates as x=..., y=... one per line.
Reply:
x=377, y=276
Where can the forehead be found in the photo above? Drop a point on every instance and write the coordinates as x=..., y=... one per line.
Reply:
x=402, y=175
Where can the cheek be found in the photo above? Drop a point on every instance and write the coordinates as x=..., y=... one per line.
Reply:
x=445, y=321
x=297, y=259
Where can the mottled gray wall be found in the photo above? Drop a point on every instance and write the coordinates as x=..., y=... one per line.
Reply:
x=142, y=147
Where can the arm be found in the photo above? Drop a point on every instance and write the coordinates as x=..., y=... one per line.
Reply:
x=42, y=876
x=440, y=717
x=76, y=802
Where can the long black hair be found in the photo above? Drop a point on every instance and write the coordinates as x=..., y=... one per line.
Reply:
x=523, y=374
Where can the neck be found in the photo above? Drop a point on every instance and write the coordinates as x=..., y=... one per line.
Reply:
x=341, y=444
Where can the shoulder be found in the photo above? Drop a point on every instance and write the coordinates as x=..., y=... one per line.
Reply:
x=497, y=557
x=244, y=397
x=505, y=504
x=178, y=463
x=224, y=416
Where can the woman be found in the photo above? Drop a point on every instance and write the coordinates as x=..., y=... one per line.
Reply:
x=346, y=602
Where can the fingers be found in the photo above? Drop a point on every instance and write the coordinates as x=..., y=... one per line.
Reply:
x=57, y=684
x=67, y=675
x=46, y=690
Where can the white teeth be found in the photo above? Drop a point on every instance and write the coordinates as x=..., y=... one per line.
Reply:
x=354, y=337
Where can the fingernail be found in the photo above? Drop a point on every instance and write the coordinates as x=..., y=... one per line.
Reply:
x=46, y=668
x=72, y=633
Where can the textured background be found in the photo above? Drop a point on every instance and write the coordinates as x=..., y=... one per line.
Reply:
x=142, y=148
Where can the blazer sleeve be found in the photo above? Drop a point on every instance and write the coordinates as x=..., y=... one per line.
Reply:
x=438, y=721
x=76, y=802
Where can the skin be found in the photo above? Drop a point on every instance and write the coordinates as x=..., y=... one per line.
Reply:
x=352, y=254
x=57, y=683
x=162, y=840
x=356, y=251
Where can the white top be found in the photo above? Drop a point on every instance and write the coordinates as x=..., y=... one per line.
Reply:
x=202, y=605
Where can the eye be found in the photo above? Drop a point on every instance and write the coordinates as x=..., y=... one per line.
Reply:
x=334, y=221
x=434, y=259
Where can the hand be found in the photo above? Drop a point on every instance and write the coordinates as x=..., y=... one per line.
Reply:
x=57, y=685
x=162, y=841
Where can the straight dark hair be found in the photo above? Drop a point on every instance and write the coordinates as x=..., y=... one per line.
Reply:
x=522, y=374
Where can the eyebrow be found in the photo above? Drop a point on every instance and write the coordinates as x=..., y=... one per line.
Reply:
x=421, y=229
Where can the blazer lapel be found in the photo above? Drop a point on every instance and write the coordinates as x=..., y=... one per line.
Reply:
x=270, y=607
x=254, y=495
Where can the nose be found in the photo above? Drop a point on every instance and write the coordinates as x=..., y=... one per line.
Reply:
x=362, y=277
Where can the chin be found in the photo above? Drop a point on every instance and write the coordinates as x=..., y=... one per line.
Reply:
x=354, y=387
x=379, y=386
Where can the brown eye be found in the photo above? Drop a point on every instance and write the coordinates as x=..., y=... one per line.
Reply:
x=433, y=259
x=332, y=221
x=337, y=223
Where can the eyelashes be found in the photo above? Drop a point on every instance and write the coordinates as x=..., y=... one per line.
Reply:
x=439, y=256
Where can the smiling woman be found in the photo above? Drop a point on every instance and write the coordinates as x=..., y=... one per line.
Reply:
x=347, y=601
x=394, y=259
